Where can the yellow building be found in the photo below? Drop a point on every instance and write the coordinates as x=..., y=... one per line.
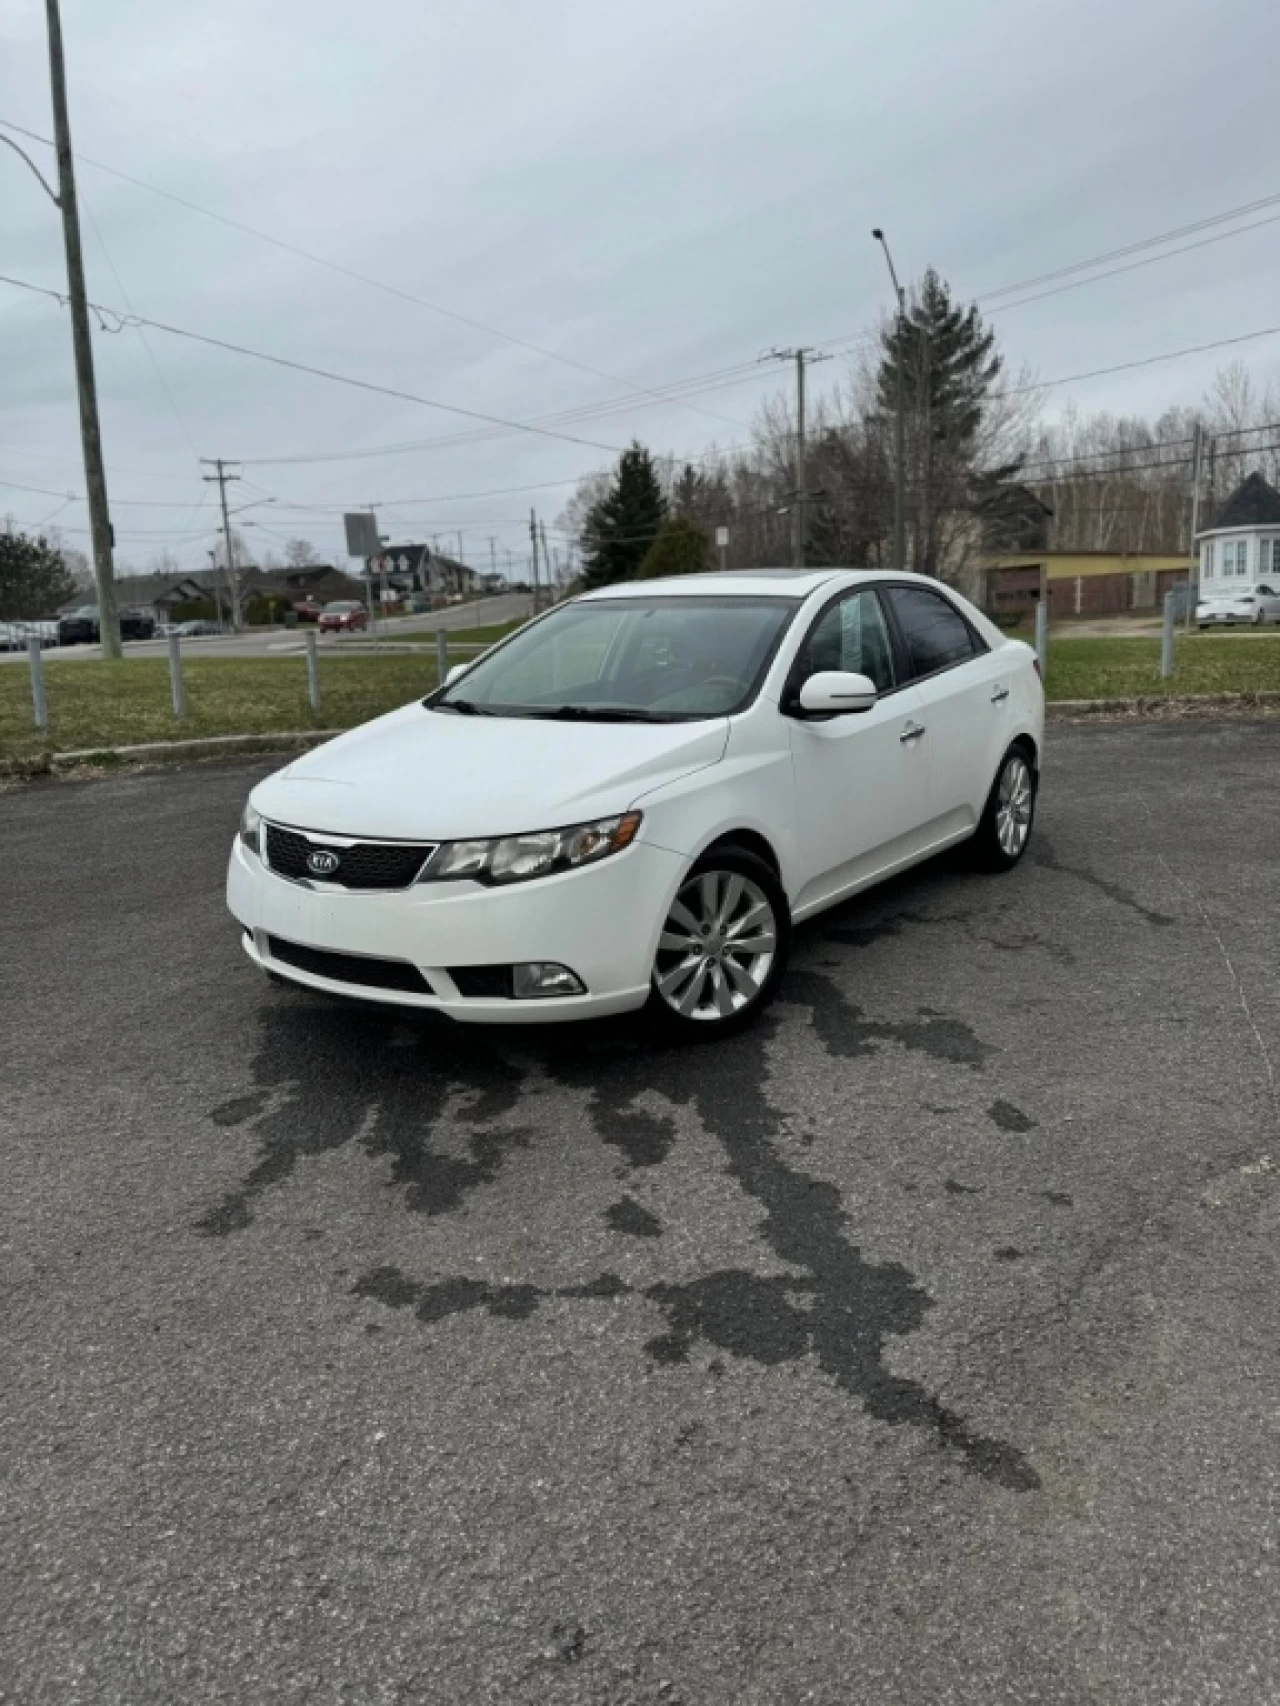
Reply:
x=1081, y=583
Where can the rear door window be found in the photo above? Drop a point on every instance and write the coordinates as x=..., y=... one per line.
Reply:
x=934, y=633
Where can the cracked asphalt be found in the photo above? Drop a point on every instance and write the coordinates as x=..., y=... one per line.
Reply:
x=921, y=1346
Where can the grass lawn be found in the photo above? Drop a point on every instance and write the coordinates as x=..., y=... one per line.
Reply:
x=102, y=704
x=121, y=704
x=1125, y=668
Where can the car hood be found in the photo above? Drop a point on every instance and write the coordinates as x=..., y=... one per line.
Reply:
x=436, y=776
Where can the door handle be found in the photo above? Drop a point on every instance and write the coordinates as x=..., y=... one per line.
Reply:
x=999, y=695
x=913, y=731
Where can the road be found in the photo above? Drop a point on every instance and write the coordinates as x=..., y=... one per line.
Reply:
x=288, y=642
x=922, y=1346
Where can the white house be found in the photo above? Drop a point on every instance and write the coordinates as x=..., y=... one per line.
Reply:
x=1241, y=544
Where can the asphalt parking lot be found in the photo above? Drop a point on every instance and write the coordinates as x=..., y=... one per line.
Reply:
x=922, y=1346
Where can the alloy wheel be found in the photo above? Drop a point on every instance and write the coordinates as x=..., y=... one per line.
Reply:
x=1014, y=798
x=717, y=947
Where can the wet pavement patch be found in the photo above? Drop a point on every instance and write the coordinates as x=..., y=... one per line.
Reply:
x=846, y=1033
x=1042, y=854
x=629, y=1217
x=834, y=1306
x=327, y=1075
x=1009, y=1118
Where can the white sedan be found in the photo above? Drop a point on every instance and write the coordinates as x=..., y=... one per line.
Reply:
x=630, y=801
x=1254, y=605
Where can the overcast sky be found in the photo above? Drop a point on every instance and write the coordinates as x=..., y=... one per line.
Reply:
x=656, y=191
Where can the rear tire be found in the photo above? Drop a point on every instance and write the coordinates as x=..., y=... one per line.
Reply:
x=723, y=949
x=1006, y=823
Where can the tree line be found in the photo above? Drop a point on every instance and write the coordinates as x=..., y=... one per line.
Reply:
x=985, y=474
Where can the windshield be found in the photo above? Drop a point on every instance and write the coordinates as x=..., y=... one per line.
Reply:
x=630, y=659
x=341, y=605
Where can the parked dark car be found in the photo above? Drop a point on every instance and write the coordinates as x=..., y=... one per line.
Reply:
x=307, y=610
x=343, y=615
x=80, y=627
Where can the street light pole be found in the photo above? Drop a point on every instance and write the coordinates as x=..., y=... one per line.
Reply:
x=900, y=423
x=95, y=475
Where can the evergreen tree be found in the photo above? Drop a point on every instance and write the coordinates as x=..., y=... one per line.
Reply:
x=34, y=580
x=624, y=523
x=950, y=367
x=680, y=549
x=689, y=492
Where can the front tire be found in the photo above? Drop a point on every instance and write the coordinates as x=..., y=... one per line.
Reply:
x=1005, y=827
x=723, y=947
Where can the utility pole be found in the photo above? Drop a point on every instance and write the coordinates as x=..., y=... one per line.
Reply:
x=221, y=478
x=552, y=575
x=493, y=557
x=95, y=474
x=533, y=540
x=803, y=357
x=1197, y=465
x=900, y=416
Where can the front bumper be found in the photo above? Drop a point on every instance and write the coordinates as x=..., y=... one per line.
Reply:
x=603, y=922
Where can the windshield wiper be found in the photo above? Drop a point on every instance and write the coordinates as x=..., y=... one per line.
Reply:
x=464, y=707
x=598, y=714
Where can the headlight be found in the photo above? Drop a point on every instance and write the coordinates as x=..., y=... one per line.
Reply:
x=250, y=824
x=516, y=858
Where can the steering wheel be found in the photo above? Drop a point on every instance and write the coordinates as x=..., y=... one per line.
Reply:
x=729, y=684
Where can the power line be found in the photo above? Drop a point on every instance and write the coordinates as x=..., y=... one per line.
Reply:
x=1146, y=361
x=989, y=296
x=1135, y=248
x=363, y=278
x=134, y=320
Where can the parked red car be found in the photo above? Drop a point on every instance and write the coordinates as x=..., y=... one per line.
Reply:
x=344, y=615
x=307, y=610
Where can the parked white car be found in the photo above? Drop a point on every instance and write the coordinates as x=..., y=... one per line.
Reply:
x=14, y=635
x=1254, y=604
x=631, y=801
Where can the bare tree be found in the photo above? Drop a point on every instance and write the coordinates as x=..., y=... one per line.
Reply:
x=300, y=553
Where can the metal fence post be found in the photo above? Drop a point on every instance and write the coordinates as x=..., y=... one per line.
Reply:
x=175, y=676
x=1042, y=635
x=1166, y=639
x=442, y=656
x=313, y=670
x=39, y=705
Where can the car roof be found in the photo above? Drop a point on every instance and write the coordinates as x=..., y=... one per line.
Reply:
x=736, y=583
x=748, y=583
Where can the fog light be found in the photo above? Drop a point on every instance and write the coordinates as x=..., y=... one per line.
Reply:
x=544, y=977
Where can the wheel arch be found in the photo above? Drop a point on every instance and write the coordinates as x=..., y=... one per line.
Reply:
x=745, y=841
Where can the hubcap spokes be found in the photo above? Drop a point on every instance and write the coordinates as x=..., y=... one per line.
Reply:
x=1013, y=806
x=716, y=947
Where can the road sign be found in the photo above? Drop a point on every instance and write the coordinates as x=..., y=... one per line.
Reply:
x=362, y=533
x=722, y=537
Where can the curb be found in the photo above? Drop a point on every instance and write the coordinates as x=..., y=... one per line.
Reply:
x=163, y=751
x=1158, y=705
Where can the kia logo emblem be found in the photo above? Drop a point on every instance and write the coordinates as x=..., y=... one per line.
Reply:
x=323, y=862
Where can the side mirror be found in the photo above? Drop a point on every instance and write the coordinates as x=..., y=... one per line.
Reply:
x=457, y=670
x=835, y=692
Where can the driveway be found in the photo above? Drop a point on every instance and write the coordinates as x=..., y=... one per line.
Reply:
x=921, y=1346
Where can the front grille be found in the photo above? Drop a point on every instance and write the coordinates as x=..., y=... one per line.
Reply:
x=365, y=865
x=350, y=968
